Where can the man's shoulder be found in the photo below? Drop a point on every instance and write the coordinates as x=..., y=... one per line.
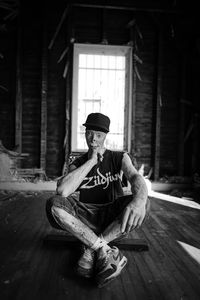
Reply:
x=116, y=156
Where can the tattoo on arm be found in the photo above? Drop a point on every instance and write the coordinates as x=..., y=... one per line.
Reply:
x=138, y=187
x=138, y=184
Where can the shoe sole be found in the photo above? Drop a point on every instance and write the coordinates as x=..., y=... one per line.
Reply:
x=121, y=265
x=84, y=272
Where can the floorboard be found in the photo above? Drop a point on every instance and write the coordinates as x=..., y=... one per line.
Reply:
x=31, y=269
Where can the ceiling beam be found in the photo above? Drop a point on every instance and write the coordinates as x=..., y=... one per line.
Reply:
x=129, y=8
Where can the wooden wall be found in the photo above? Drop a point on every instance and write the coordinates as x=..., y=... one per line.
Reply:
x=7, y=89
x=37, y=81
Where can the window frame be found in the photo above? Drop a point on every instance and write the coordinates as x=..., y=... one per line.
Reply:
x=101, y=50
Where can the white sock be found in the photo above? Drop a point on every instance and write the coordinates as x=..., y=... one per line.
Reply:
x=102, y=238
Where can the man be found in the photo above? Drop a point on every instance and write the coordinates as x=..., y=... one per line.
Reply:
x=99, y=213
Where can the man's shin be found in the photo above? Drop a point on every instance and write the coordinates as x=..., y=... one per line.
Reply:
x=74, y=226
x=113, y=231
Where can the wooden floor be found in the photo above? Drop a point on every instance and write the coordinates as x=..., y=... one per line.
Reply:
x=31, y=269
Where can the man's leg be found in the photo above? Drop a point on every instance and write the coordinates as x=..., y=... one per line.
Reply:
x=113, y=231
x=59, y=211
x=74, y=217
x=64, y=213
x=76, y=227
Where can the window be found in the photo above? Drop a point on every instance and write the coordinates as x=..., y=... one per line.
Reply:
x=101, y=83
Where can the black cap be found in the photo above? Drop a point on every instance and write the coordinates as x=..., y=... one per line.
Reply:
x=97, y=121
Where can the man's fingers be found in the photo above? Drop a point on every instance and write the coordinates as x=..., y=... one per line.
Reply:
x=135, y=222
x=140, y=221
x=131, y=219
x=124, y=220
x=129, y=223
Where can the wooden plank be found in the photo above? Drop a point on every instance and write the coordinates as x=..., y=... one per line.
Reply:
x=158, y=105
x=133, y=106
x=196, y=143
x=59, y=26
x=184, y=270
x=153, y=290
x=63, y=54
x=126, y=244
x=165, y=272
x=182, y=116
x=173, y=279
x=44, y=88
x=18, y=111
x=131, y=287
x=67, y=139
x=129, y=8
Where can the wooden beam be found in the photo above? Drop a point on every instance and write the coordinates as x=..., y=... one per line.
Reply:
x=18, y=100
x=181, y=150
x=63, y=54
x=59, y=26
x=129, y=8
x=131, y=145
x=69, y=240
x=133, y=107
x=158, y=105
x=67, y=139
x=195, y=144
x=43, y=135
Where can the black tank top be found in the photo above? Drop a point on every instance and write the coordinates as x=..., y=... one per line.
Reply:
x=103, y=184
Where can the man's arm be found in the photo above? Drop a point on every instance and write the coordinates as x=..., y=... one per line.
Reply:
x=69, y=183
x=134, y=213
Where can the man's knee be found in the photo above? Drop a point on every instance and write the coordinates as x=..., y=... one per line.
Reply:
x=54, y=211
x=58, y=212
x=56, y=199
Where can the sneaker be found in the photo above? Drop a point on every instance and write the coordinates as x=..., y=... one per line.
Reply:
x=85, y=264
x=109, y=266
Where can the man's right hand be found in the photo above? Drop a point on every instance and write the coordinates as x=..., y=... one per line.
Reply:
x=93, y=154
x=96, y=154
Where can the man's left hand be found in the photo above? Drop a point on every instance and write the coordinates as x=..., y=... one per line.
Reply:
x=132, y=217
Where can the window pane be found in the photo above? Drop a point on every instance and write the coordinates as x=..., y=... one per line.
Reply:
x=82, y=60
x=120, y=62
x=112, y=62
x=82, y=84
x=104, y=62
x=100, y=88
x=97, y=61
x=102, y=91
x=90, y=61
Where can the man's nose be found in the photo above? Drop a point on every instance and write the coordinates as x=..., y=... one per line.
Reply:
x=93, y=137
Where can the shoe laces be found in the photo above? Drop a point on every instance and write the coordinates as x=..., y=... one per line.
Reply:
x=109, y=252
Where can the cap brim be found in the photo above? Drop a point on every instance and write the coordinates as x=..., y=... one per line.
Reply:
x=95, y=127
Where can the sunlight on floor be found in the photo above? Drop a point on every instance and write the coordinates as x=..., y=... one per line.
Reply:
x=188, y=203
x=191, y=250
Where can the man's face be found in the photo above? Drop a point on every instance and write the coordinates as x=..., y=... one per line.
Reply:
x=95, y=139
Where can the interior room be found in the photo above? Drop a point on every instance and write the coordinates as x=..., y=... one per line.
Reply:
x=137, y=62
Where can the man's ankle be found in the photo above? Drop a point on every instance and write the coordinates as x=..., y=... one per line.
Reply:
x=99, y=244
